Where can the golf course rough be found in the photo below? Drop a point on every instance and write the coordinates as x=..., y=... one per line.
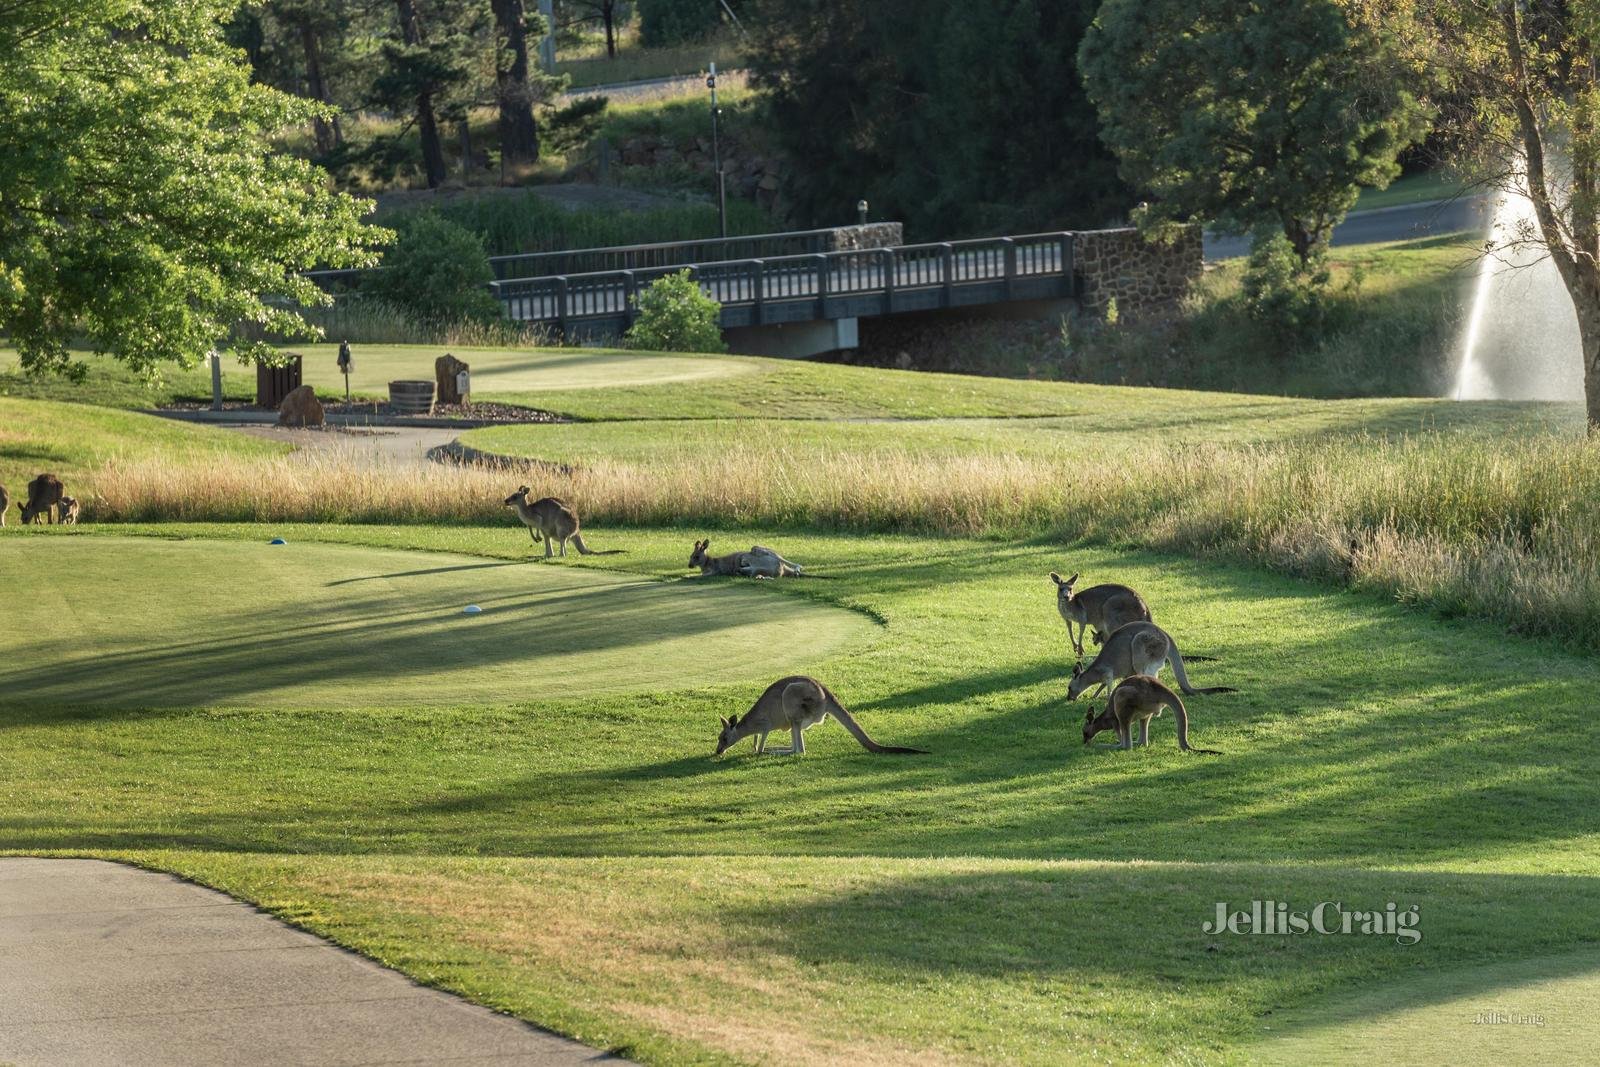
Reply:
x=142, y=622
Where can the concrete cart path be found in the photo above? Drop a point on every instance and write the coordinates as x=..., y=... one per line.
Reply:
x=106, y=964
x=394, y=444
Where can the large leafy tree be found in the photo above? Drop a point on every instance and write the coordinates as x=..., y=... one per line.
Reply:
x=1244, y=114
x=955, y=117
x=141, y=207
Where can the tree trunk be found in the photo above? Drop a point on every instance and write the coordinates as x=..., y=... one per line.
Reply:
x=327, y=131
x=519, y=131
x=609, y=14
x=465, y=130
x=1571, y=248
x=427, y=125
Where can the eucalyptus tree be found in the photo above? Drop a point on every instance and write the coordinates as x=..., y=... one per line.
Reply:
x=1518, y=85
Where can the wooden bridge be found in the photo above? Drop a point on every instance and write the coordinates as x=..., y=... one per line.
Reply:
x=773, y=290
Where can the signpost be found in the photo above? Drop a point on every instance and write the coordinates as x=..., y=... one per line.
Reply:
x=346, y=364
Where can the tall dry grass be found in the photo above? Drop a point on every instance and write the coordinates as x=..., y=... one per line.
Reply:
x=1507, y=529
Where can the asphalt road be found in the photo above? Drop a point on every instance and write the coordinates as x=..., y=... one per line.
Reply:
x=1385, y=224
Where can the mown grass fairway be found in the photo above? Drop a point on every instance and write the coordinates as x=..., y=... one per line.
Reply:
x=582, y=860
x=139, y=622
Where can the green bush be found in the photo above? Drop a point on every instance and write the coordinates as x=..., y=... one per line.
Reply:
x=668, y=22
x=1283, y=293
x=437, y=272
x=675, y=315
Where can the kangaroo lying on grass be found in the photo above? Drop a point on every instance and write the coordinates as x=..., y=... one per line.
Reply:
x=1138, y=699
x=1137, y=648
x=796, y=704
x=44, y=493
x=69, y=510
x=553, y=519
x=1104, y=609
x=759, y=562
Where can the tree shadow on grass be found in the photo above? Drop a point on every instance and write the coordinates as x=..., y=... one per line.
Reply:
x=1053, y=930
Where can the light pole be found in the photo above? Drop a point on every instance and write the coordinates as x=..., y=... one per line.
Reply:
x=716, y=156
x=861, y=212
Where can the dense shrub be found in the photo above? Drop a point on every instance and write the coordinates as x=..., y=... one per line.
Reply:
x=675, y=315
x=436, y=271
x=668, y=22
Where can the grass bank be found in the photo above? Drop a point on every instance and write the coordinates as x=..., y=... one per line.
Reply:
x=1393, y=321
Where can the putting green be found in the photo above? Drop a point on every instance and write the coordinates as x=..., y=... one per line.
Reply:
x=119, y=621
x=502, y=371
x=1528, y=1011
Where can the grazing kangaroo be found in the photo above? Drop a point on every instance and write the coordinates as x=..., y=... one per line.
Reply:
x=1137, y=648
x=759, y=562
x=796, y=704
x=555, y=520
x=1103, y=608
x=1139, y=698
x=44, y=493
x=5, y=504
x=69, y=510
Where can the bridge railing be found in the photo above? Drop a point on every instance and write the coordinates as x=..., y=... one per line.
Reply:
x=661, y=254
x=820, y=277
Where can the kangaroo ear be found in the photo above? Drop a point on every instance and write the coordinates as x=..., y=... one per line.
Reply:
x=1054, y=577
x=1073, y=580
x=725, y=723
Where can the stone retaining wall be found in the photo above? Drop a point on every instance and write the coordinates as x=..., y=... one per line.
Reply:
x=1140, y=275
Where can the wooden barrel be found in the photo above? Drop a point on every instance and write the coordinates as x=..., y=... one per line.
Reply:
x=411, y=397
x=275, y=383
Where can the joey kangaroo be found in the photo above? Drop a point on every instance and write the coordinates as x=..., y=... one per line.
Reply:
x=5, y=504
x=1104, y=609
x=796, y=704
x=555, y=520
x=1137, y=648
x=44, y=493
x=69, y=510
x=759, y=562
x=1138, y=699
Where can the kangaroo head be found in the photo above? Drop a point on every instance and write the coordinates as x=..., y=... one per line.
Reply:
x=1096, y=722
x=1080, y=682
x=1064, y=589
x=521, y=494
x=729, y=735
x=699, y=555
x=69, y=502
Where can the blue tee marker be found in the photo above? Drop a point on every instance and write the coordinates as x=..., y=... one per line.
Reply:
x=277, y=541
x=472, y=609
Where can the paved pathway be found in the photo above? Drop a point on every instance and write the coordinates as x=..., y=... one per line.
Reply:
x=398, y=444
x=106, y=964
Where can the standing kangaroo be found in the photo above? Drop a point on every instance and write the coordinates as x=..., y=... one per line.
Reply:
x=554, y=519
x=1139, y=698
x=1137, y=648
x=1103, y=608
x=44, y=493
x=796, y=704
x=5, y=504
x=759, y=562
x=69, y=510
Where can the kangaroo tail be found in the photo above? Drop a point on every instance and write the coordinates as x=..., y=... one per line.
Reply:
x=585, y=550
x=1193, y=658
x=836, y=709
x=1182, y=715
x=1183, y=676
